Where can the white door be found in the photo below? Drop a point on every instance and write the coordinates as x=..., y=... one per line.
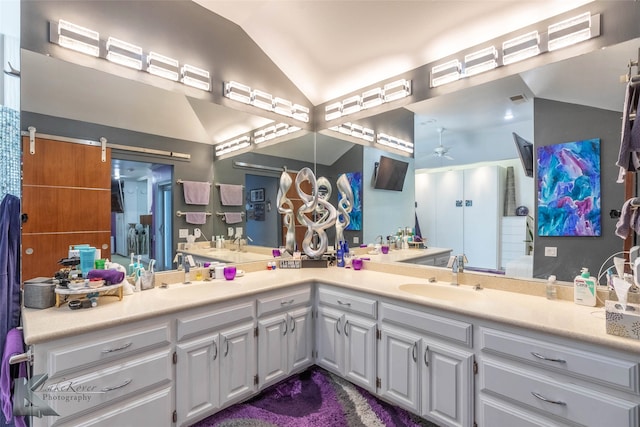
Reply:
x=360, y=351
x=427, y=206
x=398, y=368
x=447, y=384
x=450, y=212
x=330, y=341
x=272, y=347
x=300, y=339
x=197, y=377
x=237, y=363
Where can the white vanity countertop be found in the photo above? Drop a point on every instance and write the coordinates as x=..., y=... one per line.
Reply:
x=563, y=318
x=228, y=255
x=399, y=255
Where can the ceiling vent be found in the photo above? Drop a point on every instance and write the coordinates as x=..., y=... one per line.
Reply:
x=518, y=99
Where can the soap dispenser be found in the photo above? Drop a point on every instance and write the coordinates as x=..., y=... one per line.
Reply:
x=584, y=289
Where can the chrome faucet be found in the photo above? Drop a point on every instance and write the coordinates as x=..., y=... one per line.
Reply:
x=378, y=239
x=456, y=263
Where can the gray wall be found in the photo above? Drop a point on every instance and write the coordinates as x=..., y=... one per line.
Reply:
x=558, y=122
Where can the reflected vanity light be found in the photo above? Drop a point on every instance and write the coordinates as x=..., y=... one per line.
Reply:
x=233, y=145
x=80, y=39
x=569, y=31
x=237, y=92
x=519, y=48
x=480, y=61
x=272, y=132
x=372, y=98
x=163, y=66
x=264, y=100
x=355, y=131
x=445, y=73
x=393, y=142
x=124, y=53
x=195, y=77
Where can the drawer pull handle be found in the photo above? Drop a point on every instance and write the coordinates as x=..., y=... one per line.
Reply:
x=346, y=326
x=215, y=350
x=286, y=326
x=426, y=353
x=293, y=324
x=548, y=359
x=348, y=304
x=338, y=326
x=226, y=351
x=414, y=351
x=291, y=301
x=544, y=399
x=124, y=384
x=111, y=350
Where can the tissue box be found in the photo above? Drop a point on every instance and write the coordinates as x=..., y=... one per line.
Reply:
x=623, y=323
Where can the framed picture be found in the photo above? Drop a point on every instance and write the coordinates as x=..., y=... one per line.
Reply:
x=257, y=195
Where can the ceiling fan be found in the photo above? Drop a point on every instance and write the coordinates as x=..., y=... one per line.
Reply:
x=441, y=151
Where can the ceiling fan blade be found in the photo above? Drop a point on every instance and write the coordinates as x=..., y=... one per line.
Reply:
x=448, y=157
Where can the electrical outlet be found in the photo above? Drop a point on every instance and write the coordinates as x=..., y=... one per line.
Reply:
x=183, y=233
x=238, y=231
x=550, y=251
x=197, y=233
x=230, y=231
x=356, y=240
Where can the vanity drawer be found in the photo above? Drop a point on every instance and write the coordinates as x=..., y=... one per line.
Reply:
x=348, y=302
x=72, y=396
x=214, y=317
x=283, y=300
x=442, y=327
x=102, y=347
x=609, y=371
x=569, y=401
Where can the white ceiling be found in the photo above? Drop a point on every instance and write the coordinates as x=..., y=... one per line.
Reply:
x=329, y=48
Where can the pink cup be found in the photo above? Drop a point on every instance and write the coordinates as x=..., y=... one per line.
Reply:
x=230, y=272
x=356, y=263
x=384, y=249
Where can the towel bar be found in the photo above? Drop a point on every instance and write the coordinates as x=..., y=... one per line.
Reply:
x=180, y=213
x=222, y=213
x=22, y=357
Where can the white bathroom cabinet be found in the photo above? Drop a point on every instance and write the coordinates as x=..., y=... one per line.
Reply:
x=285, y=334
x=346, y=335
x=461, y=210
x=215, y=359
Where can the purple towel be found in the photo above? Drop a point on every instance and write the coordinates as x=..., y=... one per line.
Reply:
x=12, y=346
x=232, y=217
x=111, y=275
x=196, y=217
x=231, y=195
x=196, y=193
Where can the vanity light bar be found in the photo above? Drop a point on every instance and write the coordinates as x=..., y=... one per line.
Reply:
x=372, y=98
x=354, y=130
x=570, y=31
x=163, y=66
x=520, y=48
x=480, y=61
x=233, y=145
x=273, y=131
x=124, y=53
x=393, y=142
x=195, y=77
x=78, y=38
x=264, y=100
x=445, y=73
x=562, y=34
x=84, y=40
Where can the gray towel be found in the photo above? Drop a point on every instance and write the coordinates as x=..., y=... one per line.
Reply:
x=196, y=193
x=231, y=195
x=232, y=217
x=629, y=218
x=196, y=217
x=629, y=155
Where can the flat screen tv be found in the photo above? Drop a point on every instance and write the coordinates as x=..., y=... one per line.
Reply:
x=390, y=174
x=525, y=151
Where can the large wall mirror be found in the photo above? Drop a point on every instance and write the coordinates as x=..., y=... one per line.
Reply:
x=54, y=88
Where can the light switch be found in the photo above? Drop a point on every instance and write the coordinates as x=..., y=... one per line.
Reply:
x=183, y=233
x=551, y=251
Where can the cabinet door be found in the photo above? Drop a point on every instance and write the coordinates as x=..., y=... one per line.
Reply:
x=398, y=368
x=272, y=348
x=237, y=363
x=300, y=339
x=329, y=339
x=447, y=384
x=360, y=351
x=197, y=377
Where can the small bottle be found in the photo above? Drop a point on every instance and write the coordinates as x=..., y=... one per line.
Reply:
x=551, y=288
x=340, y=258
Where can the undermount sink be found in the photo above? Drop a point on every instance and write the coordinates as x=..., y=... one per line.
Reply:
x=444, y=291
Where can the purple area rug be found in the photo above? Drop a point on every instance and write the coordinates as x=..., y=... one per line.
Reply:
x=314, y=398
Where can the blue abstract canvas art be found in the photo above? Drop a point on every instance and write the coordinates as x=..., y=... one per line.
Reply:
x=569, y=189
x=355, y=179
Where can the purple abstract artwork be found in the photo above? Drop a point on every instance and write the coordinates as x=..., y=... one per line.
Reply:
x=569, y=189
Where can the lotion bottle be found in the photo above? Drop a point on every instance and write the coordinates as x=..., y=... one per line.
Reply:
x=551, y=287
x=584, y=289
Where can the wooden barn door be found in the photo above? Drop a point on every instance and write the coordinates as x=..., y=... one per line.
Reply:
x=66, y=197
